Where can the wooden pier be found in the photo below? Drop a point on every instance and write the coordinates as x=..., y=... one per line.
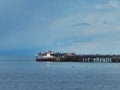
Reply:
x=72, y=57
x=88, y=58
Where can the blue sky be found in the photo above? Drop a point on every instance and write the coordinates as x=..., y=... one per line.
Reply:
x=81, y=26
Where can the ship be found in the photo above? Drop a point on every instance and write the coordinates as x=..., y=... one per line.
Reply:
x=53, y=56
x=46, y=56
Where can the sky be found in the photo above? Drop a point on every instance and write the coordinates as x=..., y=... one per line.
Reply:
x=81, y=26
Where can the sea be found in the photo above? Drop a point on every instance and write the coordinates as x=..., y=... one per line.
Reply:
x=24, y=73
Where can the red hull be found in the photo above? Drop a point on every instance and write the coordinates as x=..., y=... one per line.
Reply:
x=45, y=59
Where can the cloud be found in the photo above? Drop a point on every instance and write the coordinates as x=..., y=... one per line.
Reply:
x=97, y=47
x=82, y=24
x=36, y=35
x=114, y=3
x=109, y=4
x=42, y=26
x=101, y=27
x=96, y=22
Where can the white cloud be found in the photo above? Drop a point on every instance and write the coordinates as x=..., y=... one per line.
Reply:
x=109, y=4
x=114, y=3
x=36, y=36
x=118, y=28
x=99, y=6
x=43, y=31
x=98, y=47
x=95, y=20
x=108, y=43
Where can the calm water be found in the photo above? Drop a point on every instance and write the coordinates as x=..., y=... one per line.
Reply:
x=23, y=73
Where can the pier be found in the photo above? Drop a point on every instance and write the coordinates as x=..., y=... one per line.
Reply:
x=72, y=57
x=88, y=58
